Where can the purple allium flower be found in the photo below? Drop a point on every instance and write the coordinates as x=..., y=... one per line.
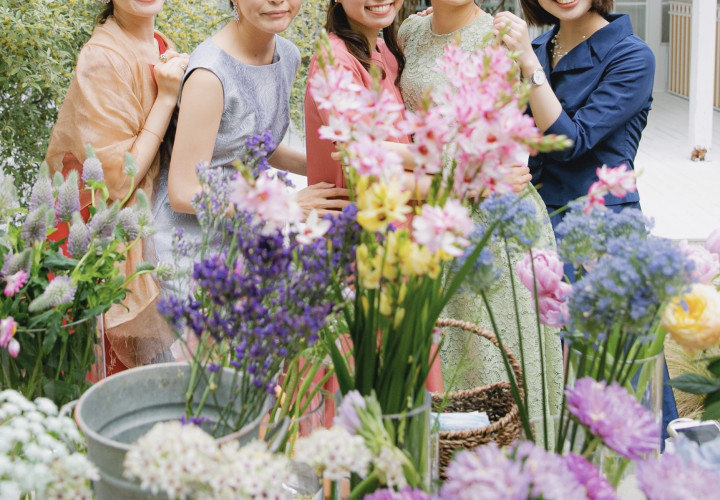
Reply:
x=670, y=477
x=15, y=282
x=406, y=493
x=59, y=291
x=36, y=224
x=347, y=415
x=485, y=472
x=612, y=414
x=78, y=237
x=513, y=218
x=92, y=170
x=42, y=194
x=68, y=200
x=597, y=487
x=605, y=225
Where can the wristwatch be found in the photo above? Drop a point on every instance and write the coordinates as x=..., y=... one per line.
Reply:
x=537, y=77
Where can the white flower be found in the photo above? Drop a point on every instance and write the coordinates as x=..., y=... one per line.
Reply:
x=311, y=229
x=335, y=452
x=46, y=406
x=388, y=464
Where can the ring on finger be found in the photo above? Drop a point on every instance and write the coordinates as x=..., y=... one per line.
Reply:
x=163, y=58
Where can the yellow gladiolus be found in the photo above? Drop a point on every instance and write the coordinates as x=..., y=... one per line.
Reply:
x=368, y=268
x=382, y=204
x=415, y=260
x=693, y=319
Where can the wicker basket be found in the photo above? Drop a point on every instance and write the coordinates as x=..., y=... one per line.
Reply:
x=494, y=399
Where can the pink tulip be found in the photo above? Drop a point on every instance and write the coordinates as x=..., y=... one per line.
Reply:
x=712, y=243
x=707, y=264
x=548, y=271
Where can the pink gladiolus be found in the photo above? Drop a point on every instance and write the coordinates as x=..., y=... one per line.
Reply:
x=13, y=348
x=312, y=228
x=15, y=282
x=443, y=228
x=269, y=198
x=596, y=197
x=548, y=271
x=707, y=264
x=712, y=242
x=618, y=181
x=8, y=326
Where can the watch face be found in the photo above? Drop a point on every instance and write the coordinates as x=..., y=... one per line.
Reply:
x=538, y=77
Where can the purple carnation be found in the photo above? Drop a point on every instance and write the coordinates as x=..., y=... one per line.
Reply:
x=485, y=472
x=670, y=477
x=597, y=487
x=406, y=493
x=612, y=414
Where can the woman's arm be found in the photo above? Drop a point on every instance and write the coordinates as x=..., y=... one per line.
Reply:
x=287, y=158
x=201, y=109
x=545, y=105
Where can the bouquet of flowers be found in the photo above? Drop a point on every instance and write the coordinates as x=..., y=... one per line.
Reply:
x=468, y=134
x=51, y=297
x=255, y=296
x=41, y=451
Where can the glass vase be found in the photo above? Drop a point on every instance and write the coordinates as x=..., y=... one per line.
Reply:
x=58, y=362
x=414, y=433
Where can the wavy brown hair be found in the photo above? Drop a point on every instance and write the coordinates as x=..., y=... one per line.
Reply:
x=537, y=16
x=106, y=12
x=337, y=22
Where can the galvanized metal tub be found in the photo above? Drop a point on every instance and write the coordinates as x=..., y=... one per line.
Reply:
x=119, y=409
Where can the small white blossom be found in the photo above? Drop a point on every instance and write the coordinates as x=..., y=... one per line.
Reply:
x=334, y=451
x=389, y=467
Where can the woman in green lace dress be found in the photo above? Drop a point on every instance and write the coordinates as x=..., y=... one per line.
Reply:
x=468, y=361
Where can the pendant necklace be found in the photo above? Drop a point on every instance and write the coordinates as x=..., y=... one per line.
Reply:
x=557, y=51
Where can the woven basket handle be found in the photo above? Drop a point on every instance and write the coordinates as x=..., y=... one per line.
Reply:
x=482, y=332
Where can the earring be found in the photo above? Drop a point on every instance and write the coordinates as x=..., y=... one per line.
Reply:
x=236, y=15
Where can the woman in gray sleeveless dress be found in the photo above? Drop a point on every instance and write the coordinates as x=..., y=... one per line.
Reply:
x=467, y=361
x=237, y=85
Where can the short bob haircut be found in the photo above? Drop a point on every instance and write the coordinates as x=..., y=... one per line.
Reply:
x=535, y=15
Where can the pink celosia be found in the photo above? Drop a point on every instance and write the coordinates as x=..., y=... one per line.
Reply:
x=443, y=228
x=15, y=282
x=707, y=264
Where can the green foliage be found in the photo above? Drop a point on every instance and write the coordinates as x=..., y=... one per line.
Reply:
x=303, y=32
x=39, y=42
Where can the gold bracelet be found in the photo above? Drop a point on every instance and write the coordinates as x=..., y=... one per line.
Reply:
x=153, y=133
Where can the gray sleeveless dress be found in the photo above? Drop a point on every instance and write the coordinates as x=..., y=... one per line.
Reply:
x=467, y=361
x=256, y=99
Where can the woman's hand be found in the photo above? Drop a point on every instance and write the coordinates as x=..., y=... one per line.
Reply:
x=169, y=74
x=323, y=197
x=517, y=39
x=519, y=178
x=425, y=12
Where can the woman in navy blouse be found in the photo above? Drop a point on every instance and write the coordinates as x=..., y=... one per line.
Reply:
x=592, y=81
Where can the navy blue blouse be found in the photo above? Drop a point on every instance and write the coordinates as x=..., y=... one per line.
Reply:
x=605, y=87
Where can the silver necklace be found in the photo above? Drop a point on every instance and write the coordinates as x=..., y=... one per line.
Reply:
x=557, y=51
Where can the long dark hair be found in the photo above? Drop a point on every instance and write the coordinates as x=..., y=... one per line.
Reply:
x=106, y=12
x=337, y=22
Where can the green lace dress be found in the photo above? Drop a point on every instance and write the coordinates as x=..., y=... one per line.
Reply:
x=468, y=361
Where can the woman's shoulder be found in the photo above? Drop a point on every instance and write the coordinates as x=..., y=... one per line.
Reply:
x=414, y=25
